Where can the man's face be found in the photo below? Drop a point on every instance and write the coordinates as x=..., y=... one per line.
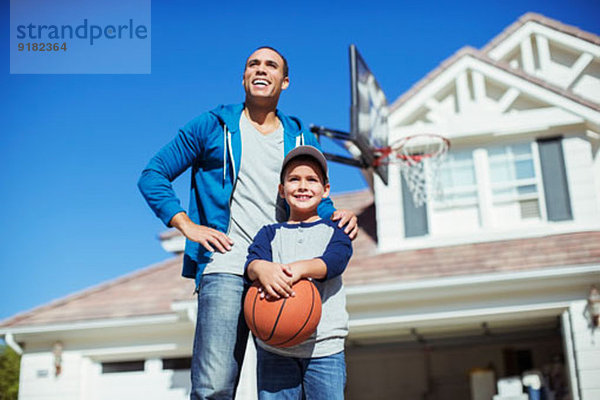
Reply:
x=263, y=75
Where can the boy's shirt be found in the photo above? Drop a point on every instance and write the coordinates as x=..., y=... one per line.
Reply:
x=285, y=243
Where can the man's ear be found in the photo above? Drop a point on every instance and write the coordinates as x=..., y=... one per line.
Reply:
x=326, y=190
x=280, y=189
x=285, y=83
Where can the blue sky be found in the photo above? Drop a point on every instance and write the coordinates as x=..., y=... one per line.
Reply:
x=72, y=146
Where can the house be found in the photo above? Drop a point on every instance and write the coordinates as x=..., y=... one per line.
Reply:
x=486, y=281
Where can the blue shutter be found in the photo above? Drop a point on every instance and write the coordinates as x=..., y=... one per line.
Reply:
x=554, y=176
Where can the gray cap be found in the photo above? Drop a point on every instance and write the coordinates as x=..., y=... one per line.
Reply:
x=309, y=151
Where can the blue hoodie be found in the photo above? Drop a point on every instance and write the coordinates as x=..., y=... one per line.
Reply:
x=212, y=145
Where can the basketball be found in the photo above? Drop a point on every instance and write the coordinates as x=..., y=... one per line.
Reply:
x=284, y=322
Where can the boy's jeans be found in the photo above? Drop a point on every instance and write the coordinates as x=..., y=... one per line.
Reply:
x=221, y=337
x=284, y=378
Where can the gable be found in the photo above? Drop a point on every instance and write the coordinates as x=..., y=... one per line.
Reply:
x=559, y=54
x=470, y=94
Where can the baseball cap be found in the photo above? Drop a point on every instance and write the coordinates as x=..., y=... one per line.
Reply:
x=309, y=151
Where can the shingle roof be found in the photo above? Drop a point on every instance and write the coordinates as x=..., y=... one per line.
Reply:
x=570, y=249
x=149, y=291
x=152, y=290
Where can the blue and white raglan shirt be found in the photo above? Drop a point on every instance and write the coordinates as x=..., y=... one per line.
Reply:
x=285, y=243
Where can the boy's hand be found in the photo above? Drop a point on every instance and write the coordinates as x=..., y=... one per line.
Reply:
x=348, y=219
x=275, y=279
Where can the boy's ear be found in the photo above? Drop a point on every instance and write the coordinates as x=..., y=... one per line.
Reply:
x=280, y=190
x=326, y=191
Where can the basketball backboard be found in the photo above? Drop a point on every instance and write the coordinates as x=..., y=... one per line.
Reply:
x=368, y=112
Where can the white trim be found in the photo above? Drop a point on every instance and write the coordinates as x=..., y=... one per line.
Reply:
x=462, y=92
x=94, y=324
x=10, y=341
x=527, y=55
x=478, y=86
x=189, y=308
x=582, y=62
x=484, y=190
x=461, y=315
x=570, y=354
x=534, y=90
x=175, y=244
x=507, y=99
x=124, y=350
x=543, y=51
x=532, y=27
x=572, y=112
x=448, y=283
x=537, y=166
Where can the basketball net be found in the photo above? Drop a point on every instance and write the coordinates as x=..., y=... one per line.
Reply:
x=419, y=158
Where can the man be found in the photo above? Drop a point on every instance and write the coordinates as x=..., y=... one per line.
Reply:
x=235, y=152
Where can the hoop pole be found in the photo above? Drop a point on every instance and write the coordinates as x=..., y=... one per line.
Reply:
x=330, y=133
x=346, y=160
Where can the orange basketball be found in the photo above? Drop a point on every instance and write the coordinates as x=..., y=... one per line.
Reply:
x=284, y=322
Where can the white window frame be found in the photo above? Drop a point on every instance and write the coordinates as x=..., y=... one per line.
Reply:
x=488, y=204
x=484, y=189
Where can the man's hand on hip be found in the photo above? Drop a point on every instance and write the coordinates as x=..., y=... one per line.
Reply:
x=348, y=219
x=210, y=238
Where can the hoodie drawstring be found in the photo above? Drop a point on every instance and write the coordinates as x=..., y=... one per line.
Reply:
x=227, y=149
x=300, y=140
x=224, y=153
x=231, y=154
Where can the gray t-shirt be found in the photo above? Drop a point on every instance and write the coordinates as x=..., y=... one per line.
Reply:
x=285, y=243
x=255, y=200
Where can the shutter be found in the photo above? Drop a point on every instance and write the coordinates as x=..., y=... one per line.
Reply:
x=554, y=176
x=415, y=218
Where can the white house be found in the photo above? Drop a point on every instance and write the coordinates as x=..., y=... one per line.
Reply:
x=488, y=281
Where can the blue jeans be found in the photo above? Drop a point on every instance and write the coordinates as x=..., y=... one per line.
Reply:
x=221, y=337
x=284, y=378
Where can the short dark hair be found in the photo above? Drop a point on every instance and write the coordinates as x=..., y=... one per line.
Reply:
x=286, y=68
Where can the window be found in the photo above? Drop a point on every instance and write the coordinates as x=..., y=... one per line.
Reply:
x=456, y=209
x=458, y=186
x=122, y=366
x=177, y=363
x=514, y=181
x=496, y=187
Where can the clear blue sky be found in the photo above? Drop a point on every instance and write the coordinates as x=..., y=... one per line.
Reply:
x=72, y=146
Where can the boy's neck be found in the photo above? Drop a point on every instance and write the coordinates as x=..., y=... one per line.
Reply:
x=296, y=218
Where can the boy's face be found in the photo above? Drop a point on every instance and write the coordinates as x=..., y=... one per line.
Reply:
x=303, y=187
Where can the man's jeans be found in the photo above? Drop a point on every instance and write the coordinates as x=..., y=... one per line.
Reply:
x=221, y=337
x=287, y=378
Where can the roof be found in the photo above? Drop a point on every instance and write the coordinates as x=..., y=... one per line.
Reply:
x=152, y=290
x=543, y=20
x=149, y=291
x=570, y=249
x=472, y=52
x=482, y=56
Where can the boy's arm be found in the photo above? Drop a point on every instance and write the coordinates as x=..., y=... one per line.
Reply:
x=314, y=268
x=332, y=263
x=275, y=278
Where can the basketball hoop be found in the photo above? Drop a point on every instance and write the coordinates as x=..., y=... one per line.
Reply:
x=419, y=157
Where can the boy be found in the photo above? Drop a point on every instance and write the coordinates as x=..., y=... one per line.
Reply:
x=305, y=246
